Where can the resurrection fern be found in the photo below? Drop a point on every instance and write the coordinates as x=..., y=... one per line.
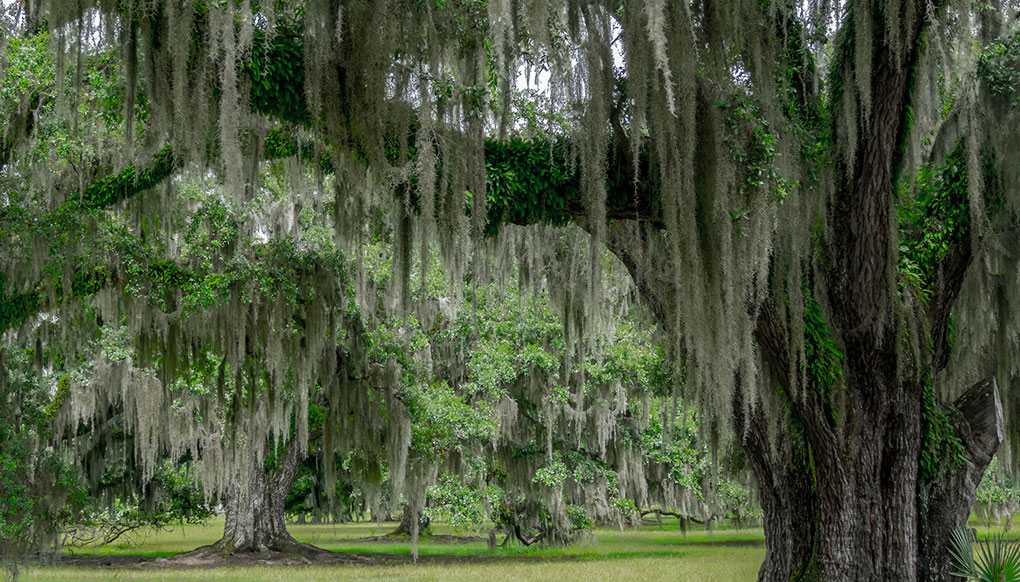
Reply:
x=822, y=355
x=935, y=219
x=941, y=447
x=276, y=74
x=527, y=184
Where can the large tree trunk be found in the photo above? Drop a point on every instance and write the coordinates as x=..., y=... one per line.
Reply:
x=846, y=500
x=254, y=514
x=867, y=514
x=867, y=474
x=254, y=510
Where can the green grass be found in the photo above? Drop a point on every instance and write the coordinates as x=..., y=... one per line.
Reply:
x=646, y=553
x=987, y=529
x=721, y=564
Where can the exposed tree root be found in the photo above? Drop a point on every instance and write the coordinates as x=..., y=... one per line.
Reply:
x=281, y=551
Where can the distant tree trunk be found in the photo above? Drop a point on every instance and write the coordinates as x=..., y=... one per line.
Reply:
x=404, y=527
x=33, y=20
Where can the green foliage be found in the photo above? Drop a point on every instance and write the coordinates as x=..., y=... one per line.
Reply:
x=754, y=147
x=553, y=474
x=441, y=420
x=280, y=144
x=686, y=460
x=39, y=491
x=999, y=66
x=130, y=181
x=823, y=358
x=214, y=264
x=633, y=357
x=932, y=219
x=527, y=182
x=114, y=343
x=463, y=504
x=29, y=69
x=941, y=447
x=625, y=507
x=579, y=518
x=178, y=499
x=172, y=497
x=276, y=74
x=738, y=501
x=998, y=494
x=17, y=308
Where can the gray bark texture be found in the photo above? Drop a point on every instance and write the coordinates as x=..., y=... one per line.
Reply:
x=254, y=510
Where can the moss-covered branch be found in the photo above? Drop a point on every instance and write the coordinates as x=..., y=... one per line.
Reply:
x=129, y=182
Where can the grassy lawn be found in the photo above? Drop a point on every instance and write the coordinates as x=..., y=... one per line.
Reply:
x=645, y=554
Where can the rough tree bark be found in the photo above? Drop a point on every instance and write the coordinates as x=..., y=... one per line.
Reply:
x=254, y=510
x=788, y=495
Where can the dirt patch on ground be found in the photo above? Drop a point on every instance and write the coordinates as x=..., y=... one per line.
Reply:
x=216, y=560
x=189, y=560
x=98, y=561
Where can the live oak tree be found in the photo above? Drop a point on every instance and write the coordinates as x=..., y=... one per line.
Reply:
x=508, y=419
x=174, y=382
x=815, y=198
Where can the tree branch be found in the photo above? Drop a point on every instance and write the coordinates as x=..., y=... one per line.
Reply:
x=944, y=502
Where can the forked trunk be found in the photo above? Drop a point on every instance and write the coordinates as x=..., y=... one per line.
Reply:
x=254, y=509
x=856, y=508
